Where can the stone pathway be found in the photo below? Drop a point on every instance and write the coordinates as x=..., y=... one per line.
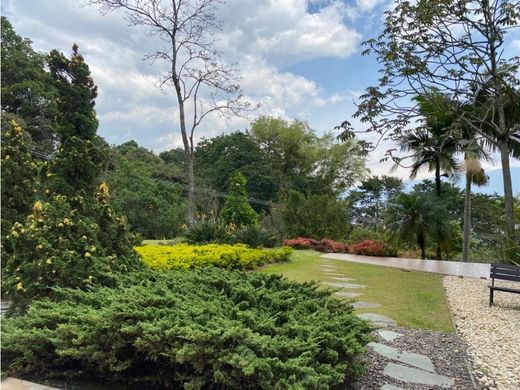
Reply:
x=406, y=368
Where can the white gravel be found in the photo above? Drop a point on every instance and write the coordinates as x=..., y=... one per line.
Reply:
x=492, y=333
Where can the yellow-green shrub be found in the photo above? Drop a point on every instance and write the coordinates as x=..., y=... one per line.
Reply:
x=237, y=256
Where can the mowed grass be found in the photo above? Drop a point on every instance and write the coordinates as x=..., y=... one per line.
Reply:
x=412, y=299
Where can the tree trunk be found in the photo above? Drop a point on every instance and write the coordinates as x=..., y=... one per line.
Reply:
x=508, y=189
x=421, y=241
x=467, y=217
x=438, y=255
x=191, y=191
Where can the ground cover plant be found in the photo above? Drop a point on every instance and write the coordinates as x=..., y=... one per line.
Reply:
x=207, y=328
x=413, y=299
x=238, y=256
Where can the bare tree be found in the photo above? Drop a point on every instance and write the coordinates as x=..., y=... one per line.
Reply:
x=203, y=83
x=458, y=48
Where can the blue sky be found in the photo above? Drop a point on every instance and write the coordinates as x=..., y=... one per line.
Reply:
x=298, y=59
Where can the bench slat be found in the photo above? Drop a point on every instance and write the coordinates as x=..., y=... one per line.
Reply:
x=506, y=289
x=505, y=266
x=506, y=271
x=507, y=277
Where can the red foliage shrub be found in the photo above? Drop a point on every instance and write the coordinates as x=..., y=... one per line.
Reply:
x=331, y=246
x=372, y=248
x=324, y=245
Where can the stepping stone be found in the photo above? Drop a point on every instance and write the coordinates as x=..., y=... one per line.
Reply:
x=347, y=294
x=365, y=305
x=388, y=335
x=345, y=285
x=378, y=320
x=386, y=386
x=343, y=279
x=412, y=359
x=414, y=375
x=332, y=274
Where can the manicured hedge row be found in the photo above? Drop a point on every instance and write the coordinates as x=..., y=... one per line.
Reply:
x=206, y=328
x=185, y=256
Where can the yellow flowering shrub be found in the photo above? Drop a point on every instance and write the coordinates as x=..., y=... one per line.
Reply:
x=186, y=256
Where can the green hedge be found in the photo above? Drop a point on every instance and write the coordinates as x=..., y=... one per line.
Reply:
x=207, y=328
x=238, y=256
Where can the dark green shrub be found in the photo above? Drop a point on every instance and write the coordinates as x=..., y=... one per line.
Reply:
x=209, y=231
x=208, y=328
x=255, y=236
x=360, y=233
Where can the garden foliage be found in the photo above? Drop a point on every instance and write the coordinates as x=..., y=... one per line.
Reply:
x=209, y=231
x=255, y=236
x=373, y=248
x=72, y=238
x=186, y=256
x=323, y=245
x=207, y=328
x=237, y=210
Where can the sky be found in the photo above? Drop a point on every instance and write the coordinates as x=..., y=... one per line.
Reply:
x=298, y=59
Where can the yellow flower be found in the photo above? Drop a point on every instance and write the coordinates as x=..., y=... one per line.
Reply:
x=92, y=248
x=49, y=261
x=19, y=287
x=66, y=221
x=88, y=255
x=37, y=208
x=47, y=191
x=39, y=247
x=7, y=157
x=60, y=225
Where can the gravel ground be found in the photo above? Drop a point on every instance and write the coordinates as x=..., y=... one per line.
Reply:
x=492, y=334
x=446, y=350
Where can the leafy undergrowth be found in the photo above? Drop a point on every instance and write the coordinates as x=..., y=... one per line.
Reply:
x=205, y=328
x=413, y=299
x=238, y=256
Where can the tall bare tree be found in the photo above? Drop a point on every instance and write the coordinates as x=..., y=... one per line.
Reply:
x=459, y=48
x=203, y=83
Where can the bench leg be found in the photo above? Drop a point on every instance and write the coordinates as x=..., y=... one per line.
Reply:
x=491, y=297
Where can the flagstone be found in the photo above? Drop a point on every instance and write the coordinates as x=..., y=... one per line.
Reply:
x=345, y=285
x=410, y=358
x=415, y=375
x=388, y=335
x=365, y=305
x=377, y=319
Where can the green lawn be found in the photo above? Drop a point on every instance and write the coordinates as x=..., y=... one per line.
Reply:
x=413, y=299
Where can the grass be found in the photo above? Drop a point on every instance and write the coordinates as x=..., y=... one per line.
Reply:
x=413, y=299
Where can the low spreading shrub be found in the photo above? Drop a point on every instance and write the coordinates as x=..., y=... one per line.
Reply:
x=373, y=248
x=324, y=245
x=186, y=256
x=255, y=236
x=208, y=328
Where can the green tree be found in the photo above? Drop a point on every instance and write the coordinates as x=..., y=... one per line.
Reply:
x=418, y=50
x=305, y=162
x=367, y=201
x=72, y=238
x=412, y=218
x=146, y=190
x=27, y=89
x=18, y=176
x=236, y=209
x=315, y=216
x=217, y=158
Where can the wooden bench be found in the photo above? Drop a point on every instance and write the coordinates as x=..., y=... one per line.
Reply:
x=503, y=272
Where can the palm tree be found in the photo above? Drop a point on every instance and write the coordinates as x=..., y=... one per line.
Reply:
x=474, y=175
x=496, y=118
x=434, y=144
x=412, y=218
